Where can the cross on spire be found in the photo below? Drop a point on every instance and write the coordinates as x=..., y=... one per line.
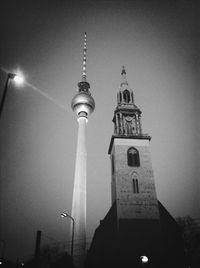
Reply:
x=123, y=74
x=123, y=70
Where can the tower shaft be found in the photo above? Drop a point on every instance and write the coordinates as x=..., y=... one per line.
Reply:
x=79, y=195
x=83, y=105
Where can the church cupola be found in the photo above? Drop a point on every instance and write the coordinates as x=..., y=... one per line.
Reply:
x=125, y=94
x=127, y=115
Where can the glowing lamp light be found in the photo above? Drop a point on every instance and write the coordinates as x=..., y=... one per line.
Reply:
x=18, y=79
x=144, y=259
x=63, y=215
x=1, y=262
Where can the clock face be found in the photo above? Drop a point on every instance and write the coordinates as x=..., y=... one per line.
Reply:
x=130, y=124
x=128, y=118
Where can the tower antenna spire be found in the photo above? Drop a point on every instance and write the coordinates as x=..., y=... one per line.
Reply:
x=84, y=58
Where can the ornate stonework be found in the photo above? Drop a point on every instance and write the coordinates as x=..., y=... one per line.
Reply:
x=139, y=200
x=133, y=187
x=127, y=114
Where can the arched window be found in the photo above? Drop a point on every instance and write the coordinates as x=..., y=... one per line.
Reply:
x=113, y=164
x=126, y=96
x=120, y=97
x=132, y=99
x=135, y=186
x=133, y=157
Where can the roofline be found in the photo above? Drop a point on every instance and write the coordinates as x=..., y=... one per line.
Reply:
x=135, y=137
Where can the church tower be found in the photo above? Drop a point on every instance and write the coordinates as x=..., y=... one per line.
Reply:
x=133, y=187
x=83, y=105
x=137, y=231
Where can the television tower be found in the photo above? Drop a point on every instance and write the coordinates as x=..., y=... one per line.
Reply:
x=83, y=105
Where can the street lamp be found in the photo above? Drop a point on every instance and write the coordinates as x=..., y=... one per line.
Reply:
x=144, y=260
x=64, y=215
x=17, y=79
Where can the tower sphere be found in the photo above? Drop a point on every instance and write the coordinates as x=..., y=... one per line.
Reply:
x=83, y=104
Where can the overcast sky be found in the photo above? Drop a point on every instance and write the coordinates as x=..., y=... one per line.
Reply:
x=158, y=43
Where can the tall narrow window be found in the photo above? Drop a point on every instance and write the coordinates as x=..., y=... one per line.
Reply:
x=113, y=164
x=120, y=97
x=132, y=99
x=135, y=186
x=119, y=124
x=133, y=157
x=126, y=96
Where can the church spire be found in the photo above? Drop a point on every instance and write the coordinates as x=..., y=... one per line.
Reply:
x=123, y=74
x=127, y=115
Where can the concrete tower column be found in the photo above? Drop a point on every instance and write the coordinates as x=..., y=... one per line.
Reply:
x=79, y=195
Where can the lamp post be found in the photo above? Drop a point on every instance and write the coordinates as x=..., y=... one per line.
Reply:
x=17, y=79
x=64, y=215
x=3, y=248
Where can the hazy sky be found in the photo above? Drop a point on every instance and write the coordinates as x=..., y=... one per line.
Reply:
x=158, y=43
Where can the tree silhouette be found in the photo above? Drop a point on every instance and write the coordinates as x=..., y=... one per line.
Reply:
x=50, y=257
x=191, y=236
x=63, y=261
